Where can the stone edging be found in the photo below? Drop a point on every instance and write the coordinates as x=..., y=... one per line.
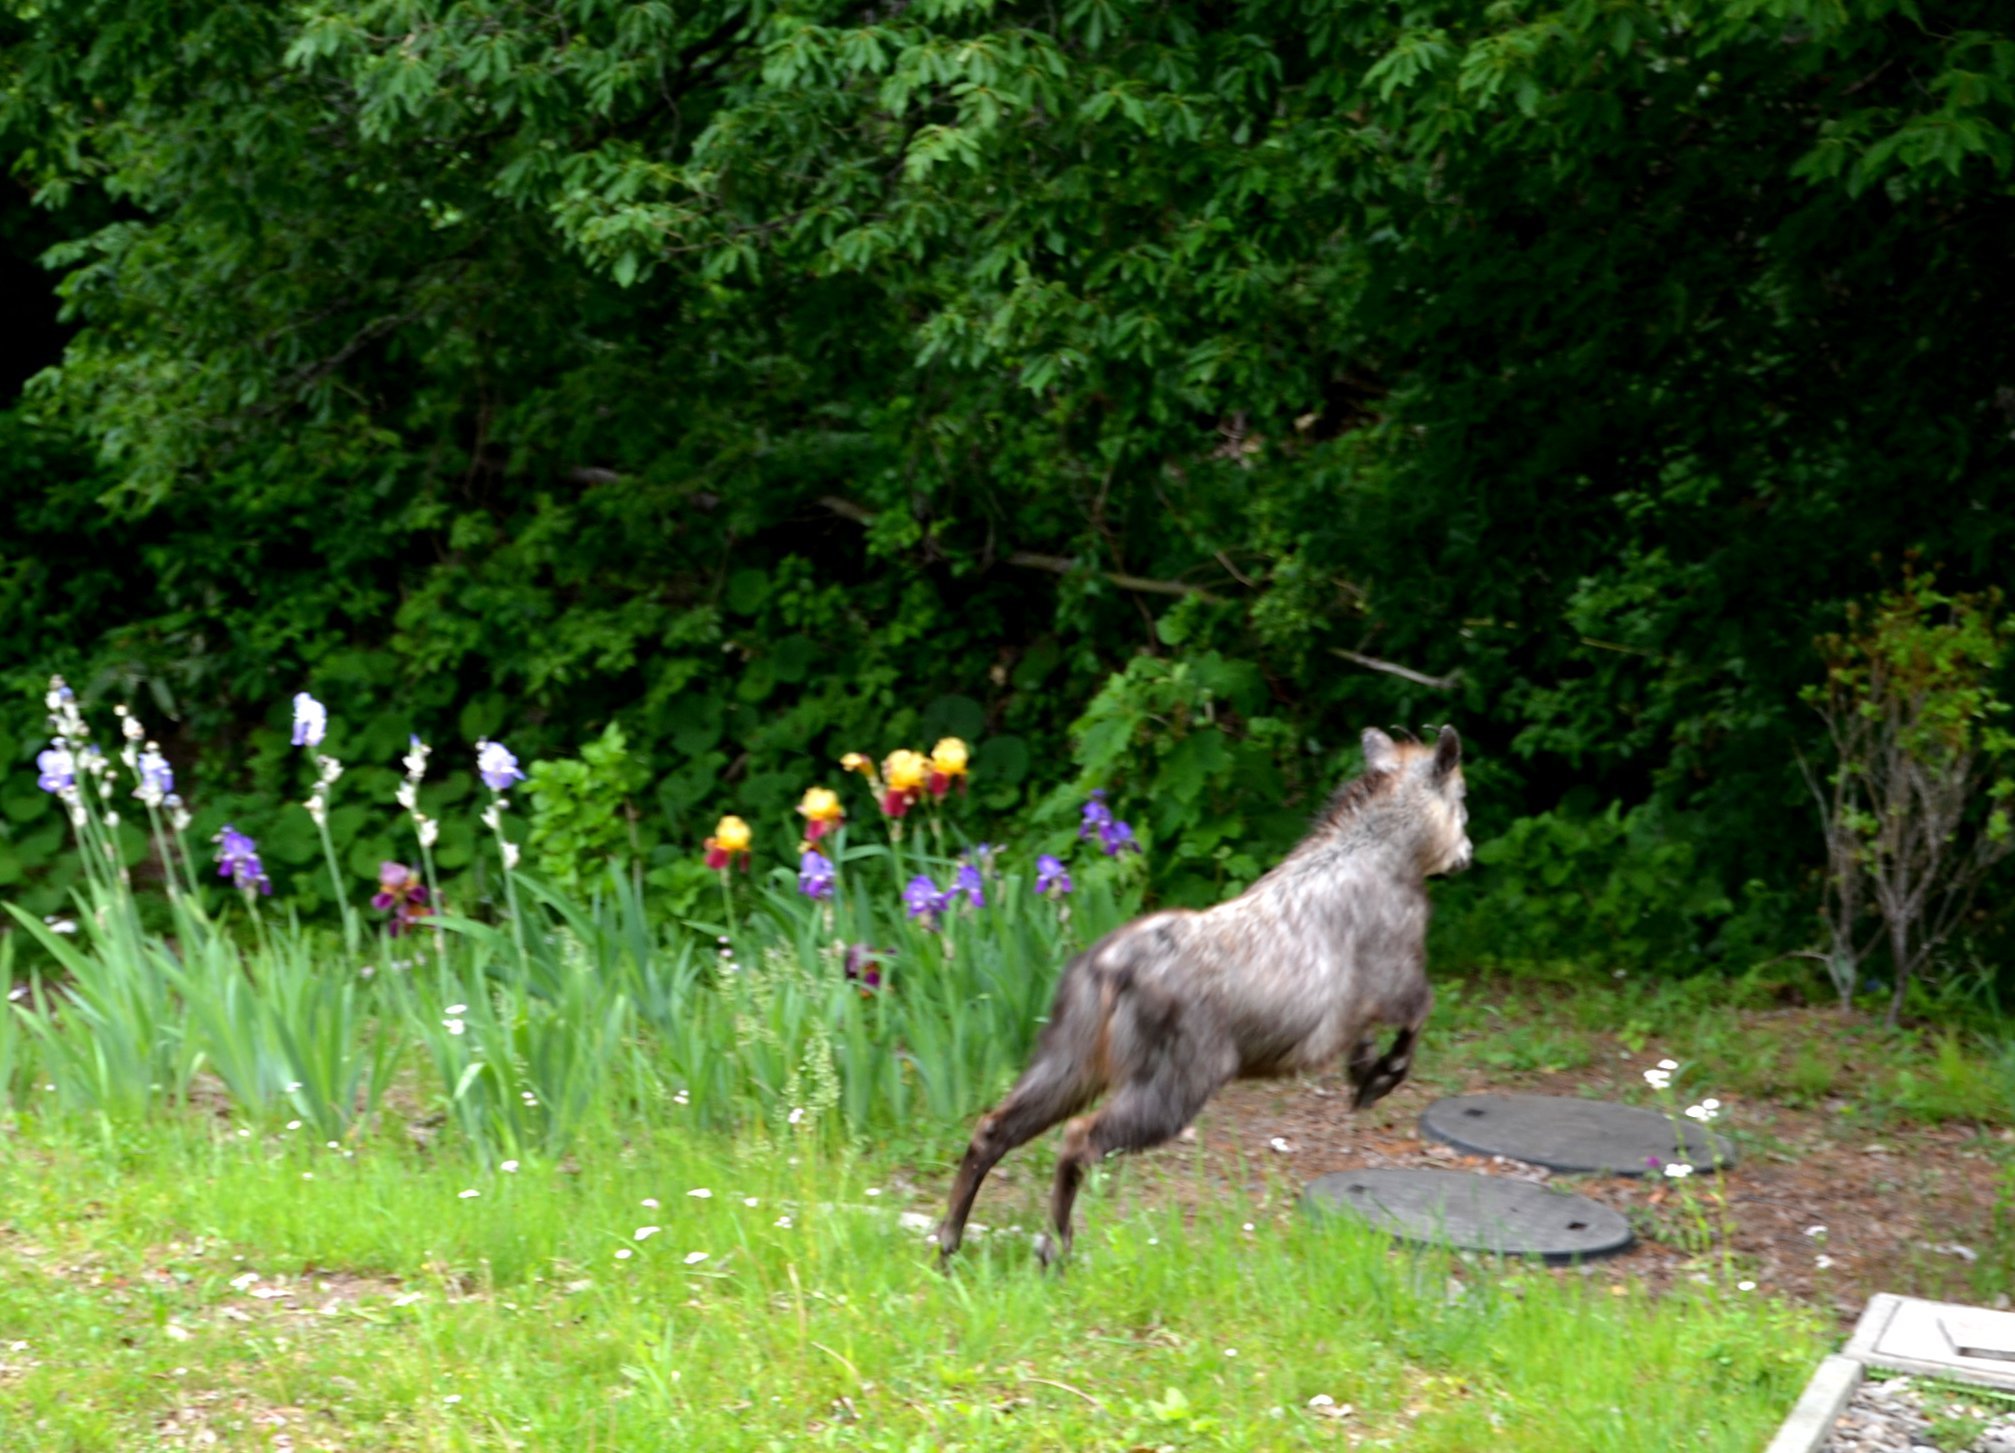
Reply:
x=1810, y=1424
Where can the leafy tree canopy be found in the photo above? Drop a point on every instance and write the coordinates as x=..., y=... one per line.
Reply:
x=789, y=379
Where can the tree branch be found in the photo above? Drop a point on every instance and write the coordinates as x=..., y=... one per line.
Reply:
x=1054, y=564
x=1393, y=668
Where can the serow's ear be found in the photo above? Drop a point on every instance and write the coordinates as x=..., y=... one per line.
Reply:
x=1447, y=752
x=1380, y=755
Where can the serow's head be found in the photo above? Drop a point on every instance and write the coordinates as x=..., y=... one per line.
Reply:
x=1427, y=786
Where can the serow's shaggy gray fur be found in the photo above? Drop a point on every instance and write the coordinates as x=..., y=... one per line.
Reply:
x=1309, y=963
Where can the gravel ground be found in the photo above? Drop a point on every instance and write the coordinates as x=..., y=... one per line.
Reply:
x=1903, y=1415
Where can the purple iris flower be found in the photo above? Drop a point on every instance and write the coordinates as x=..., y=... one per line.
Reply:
x=238, y=860
x=815, y=875
x=967, y=881
x=1051, y=876
x=1114, y=836
x=58, y=769
x=498, y=768
x=922, y=899
x=311, y=720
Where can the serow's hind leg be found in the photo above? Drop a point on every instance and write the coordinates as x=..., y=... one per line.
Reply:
x=1018, y=1119
x=1140, y=1115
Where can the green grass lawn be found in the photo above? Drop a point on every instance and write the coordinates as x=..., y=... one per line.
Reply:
x=420, y=1317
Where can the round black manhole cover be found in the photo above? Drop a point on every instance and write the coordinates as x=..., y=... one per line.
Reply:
x=1474, y=1213
x=1573, y=1135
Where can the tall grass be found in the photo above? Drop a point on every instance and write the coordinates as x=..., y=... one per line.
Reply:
x=522, y=1032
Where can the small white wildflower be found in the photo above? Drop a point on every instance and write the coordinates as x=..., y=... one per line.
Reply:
x=783, y=1221
x=430, y=830
x=650, y=1203
x=509, y=1167
x=510, y=851
x=293, y=1125
x=415, y=760
x=407, y=796
x=1280, y=1146
x=335, y=1145
x=645, y=1233
x=701, y=1193
x=796, y=1116
x=456, y=1009
x=452, y=1398
x=1231, y=1352
x=244, y=1280
x=625, y=1254
x=61, y=925
x=469, y=1195
x=1745, y=1286
x=1815, y=1232
x=874, y=1190
x=1322, y=1400
x=307, y=1175
x=751, y=1202
x=454, y=1026
x=1822, y=1261
x=1658, y=1079
x=1154, y=1241
x=1246, y=1227
x=694, y=1258
x=1678, y=1170
x=1668, y=1064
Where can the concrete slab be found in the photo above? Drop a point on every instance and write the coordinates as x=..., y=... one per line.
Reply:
x=1942, y=1339
x=1474, y=1212
x=1578, y=1136
x=1810, y=1425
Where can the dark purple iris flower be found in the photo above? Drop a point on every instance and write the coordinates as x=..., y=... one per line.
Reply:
x=864, y=966
x=1051, y=876
x=402, y=894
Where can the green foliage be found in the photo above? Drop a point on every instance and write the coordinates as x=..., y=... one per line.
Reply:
x=1916, y=807
x=753, y=378
x=1607, y=889
x=1188, y=740
x=582, y=816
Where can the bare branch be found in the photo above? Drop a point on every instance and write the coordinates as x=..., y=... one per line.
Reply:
x=1393, y=668
x=1064, y=565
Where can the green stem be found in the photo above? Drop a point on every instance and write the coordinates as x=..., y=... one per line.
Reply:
x=728, y=901
x=350, y=934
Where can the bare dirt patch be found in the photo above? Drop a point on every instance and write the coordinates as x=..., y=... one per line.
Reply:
x=1904, y=1209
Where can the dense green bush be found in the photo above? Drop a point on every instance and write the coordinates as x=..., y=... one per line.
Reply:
x=775, y=383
